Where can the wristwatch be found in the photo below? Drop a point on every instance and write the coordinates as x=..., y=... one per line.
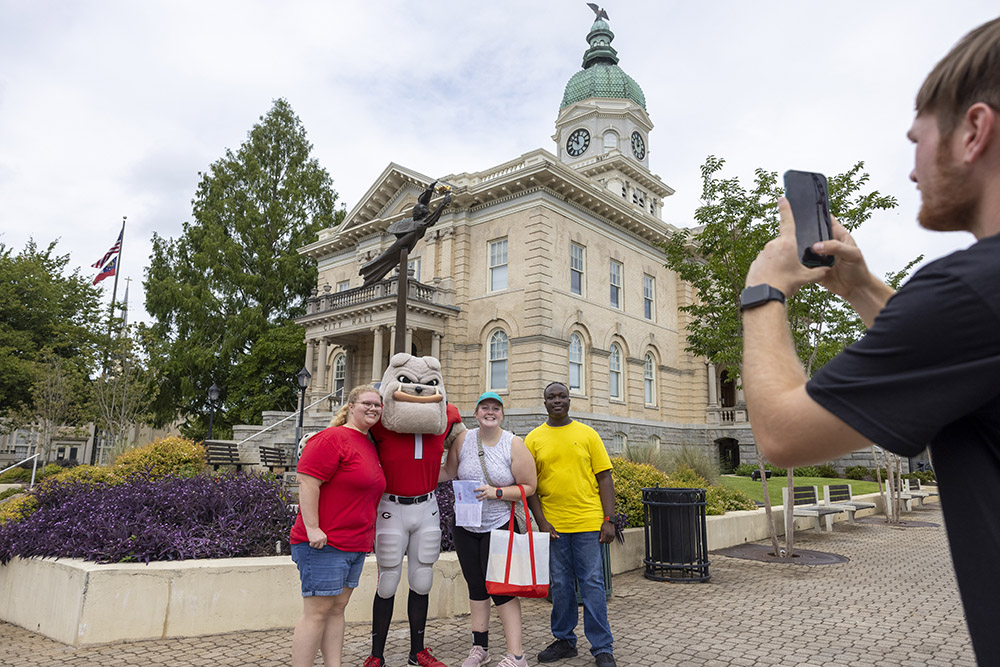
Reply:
x=758, y=295
x=499, y=492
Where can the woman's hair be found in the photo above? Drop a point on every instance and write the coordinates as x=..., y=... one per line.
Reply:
x=341, y=418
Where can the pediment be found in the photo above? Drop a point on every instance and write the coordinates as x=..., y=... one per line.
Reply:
x=393, y=192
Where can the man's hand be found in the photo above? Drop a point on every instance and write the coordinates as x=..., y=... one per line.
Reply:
x=317, y=538
x=778, y=263
x=546, y=527
x=607, y=532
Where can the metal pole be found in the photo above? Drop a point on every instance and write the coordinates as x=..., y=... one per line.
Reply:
x=114, y=291
x=298, y=429
x=211, y=417
x=402, y=286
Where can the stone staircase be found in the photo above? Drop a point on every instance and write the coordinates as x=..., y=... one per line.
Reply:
x=282, y=435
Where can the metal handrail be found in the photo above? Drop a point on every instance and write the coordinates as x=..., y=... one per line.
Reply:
x=284, y=419
x=34, y=467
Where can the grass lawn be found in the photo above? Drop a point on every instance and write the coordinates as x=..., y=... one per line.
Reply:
x=755, y=489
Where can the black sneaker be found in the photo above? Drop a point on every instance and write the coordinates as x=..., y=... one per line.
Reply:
x=605, y=660
x=557, y=650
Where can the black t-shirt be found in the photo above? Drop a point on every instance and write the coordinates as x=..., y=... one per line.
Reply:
x=928, y=372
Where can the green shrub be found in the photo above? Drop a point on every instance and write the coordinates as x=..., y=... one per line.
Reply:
x=16, y=509
x=648, y=455
x=858, y=472
x=4, y=495
x=722, y=499
x=925, y=476
x=775, y=471
x=15, y=475
x=827, y=470
x=701, y=460
x=745, y=469
x=172, y=455
x=630, y=479
x=687, y=478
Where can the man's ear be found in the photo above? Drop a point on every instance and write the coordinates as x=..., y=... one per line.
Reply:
x=978, y=132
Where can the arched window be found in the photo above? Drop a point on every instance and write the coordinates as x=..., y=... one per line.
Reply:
x=497, y=360
x=575, y=363
x=339, y=377
x=654, y=443
x=610, y=141
x=649, y=379
x=615, y=372
x=619, y=441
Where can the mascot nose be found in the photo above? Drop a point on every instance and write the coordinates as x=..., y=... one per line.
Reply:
x=419, y=390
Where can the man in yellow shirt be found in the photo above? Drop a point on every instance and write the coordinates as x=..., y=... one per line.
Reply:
x=575, y=505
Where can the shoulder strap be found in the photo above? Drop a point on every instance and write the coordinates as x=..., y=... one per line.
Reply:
x=482, y=459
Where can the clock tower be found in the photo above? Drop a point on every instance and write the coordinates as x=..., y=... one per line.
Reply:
x=603, y=127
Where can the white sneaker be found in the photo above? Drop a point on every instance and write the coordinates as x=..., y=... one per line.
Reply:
x=478, y=656
x=511, y=661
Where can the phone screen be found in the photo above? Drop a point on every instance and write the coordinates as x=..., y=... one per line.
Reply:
x=809, y=198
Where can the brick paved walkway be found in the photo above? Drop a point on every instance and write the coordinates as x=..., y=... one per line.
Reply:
x=895, y=603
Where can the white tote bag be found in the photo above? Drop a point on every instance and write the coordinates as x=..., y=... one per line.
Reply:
x=518, y=564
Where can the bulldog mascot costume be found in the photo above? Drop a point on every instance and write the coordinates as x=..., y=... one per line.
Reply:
x=416, y=422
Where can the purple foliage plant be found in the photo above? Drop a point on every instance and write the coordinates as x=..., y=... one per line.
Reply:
x=143, y=520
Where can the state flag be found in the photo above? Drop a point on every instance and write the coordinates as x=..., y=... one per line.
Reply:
x=107, y=271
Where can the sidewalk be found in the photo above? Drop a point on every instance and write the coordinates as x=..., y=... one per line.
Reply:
x=895, y=603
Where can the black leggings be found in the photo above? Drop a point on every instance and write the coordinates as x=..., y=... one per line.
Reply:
x=473, y=551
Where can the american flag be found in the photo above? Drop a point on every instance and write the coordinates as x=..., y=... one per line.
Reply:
x=115, y=248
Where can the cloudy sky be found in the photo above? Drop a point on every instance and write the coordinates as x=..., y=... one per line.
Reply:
x=111, y=108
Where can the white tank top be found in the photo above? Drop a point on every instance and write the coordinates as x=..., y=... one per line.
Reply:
x=497, y=458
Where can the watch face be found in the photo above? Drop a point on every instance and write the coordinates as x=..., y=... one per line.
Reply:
x=638, y=146
x=578, y=142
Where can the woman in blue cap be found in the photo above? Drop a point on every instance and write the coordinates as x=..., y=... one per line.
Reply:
x=498, y=460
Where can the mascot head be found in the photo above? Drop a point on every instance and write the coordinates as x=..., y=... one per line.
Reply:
x=413, y=395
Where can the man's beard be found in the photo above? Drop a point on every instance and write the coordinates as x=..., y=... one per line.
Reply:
x=949, y=200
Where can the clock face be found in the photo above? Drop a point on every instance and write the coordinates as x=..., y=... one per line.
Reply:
x=578, y=142
x=638, y=146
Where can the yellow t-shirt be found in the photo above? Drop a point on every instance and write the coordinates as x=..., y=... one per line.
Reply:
x=568, y=458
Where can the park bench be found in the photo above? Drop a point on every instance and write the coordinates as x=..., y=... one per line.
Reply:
x=839, y=495
x=805, y=502
x=273, y=457
x=911, y=489
x=222, y=453
x=755, y=475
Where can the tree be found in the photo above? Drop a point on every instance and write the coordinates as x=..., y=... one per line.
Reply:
x=124, y=393
x=45, y=316
x=734, y=225
x=224, y=295
x=58, y=391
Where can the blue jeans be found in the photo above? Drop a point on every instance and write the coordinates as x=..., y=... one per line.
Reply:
x=576, y=558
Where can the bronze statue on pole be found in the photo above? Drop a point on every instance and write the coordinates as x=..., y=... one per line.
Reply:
x=407, y=231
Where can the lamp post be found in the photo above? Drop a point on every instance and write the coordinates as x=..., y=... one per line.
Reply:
x=213, y=397
x=302, y=377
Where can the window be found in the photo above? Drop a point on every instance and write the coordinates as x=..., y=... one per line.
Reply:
x=639, y=198
x=619, y=441
x=654, y=443
x=343, y=285
x=413, y=267
x=498, y=360
x=339, y=376
x=649, y=379
x=648, y=290
x=616, y=284
x=576, y=268
x=615, y=372
x=498, y=265
x=610, y=141
x=575, y=363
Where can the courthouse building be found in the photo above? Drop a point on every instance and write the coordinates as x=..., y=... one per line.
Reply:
x=546, y=267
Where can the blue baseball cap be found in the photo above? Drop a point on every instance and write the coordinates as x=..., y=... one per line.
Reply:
x=489, y=394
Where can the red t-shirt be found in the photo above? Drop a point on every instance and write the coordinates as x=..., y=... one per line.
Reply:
x=405, y=474
x=353, y=483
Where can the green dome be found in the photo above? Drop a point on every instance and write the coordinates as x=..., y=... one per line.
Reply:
x=601, y=76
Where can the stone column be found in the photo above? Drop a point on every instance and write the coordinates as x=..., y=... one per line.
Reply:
x=409, y=340
x=321, y=369
x=310, y=355
x=377, y=354
x=392, y=340
x=436, y=345
x=713, y=392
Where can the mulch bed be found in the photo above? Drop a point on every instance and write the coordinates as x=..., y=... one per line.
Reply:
x=765, y=554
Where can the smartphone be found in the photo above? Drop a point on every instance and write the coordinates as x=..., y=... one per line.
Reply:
x=809, y=198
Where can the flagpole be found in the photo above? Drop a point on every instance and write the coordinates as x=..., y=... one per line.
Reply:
x=102, y=438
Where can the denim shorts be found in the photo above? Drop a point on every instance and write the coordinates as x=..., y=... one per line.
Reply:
x=327, y=571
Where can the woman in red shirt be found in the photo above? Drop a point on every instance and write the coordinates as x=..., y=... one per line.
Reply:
x=340, y=485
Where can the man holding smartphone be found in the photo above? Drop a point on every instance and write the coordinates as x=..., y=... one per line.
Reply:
x=926, y=371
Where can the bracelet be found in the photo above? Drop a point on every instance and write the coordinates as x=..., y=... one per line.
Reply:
x=607, y=518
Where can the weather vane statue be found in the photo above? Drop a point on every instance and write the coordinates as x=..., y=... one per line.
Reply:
x=408, y=231
x=601, y=14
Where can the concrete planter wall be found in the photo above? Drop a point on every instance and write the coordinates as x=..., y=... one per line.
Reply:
x=78, y=603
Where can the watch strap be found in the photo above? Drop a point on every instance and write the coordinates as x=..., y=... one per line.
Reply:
x=758, y=295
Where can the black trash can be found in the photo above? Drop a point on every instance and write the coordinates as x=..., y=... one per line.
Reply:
x=676, y=536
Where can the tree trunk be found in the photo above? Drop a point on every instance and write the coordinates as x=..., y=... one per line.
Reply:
x=790, y=515
x=881, y=489
x=767, y=503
